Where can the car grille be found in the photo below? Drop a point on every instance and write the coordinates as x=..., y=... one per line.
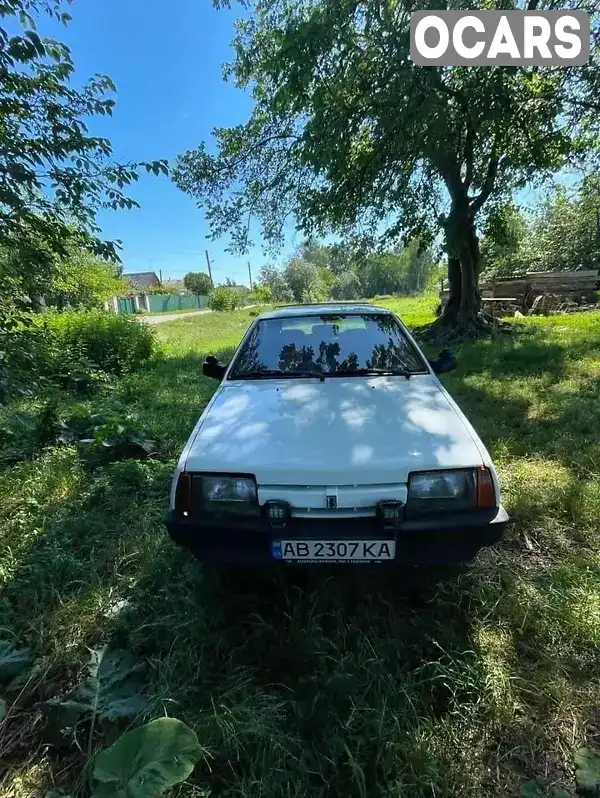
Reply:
x=313, y=501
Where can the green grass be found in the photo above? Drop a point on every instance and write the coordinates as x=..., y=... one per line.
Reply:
x=334, y=684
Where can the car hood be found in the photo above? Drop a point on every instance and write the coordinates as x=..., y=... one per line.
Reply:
x=344, y=431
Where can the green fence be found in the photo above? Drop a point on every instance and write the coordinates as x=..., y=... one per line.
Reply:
x=161, y=303
x=126, y=305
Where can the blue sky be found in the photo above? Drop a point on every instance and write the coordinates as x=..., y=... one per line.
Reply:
x=166, y=62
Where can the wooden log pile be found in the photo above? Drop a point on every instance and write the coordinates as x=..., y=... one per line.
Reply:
x=520, y=293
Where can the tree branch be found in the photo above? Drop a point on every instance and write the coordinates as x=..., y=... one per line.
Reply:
x=468, y=156
x=488, y=184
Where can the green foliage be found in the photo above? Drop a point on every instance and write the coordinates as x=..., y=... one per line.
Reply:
x=408, y=270
x=561, y=234
x=341, y=271
x=305, y=279
x=84, y=281
x=272, y=278
x=346, y=286
x=110, y=435
x=112, y=690
x=12, y=660
x=362, y=685
x=224, y=298
x=564, y=232
x=115, y=344
x=348, y=136
x=587, y=774
x=44, y=141
x=197, y=283
x=261, y=295
x=147, y=761
x=503, y=236
x=532, y=789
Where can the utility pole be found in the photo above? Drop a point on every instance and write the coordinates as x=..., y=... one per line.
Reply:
x=250, y=274
x=209, y=269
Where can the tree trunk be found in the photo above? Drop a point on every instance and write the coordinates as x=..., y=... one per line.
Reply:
x=462, y=317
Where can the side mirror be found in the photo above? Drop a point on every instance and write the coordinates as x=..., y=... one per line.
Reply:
x=213, y=368
x=444, y=362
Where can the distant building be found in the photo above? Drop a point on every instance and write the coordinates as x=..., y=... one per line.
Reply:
x=241, y=289
x=174, y=283
x=142, y=279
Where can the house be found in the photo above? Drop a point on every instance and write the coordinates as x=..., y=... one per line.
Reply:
x=174, y=284
x=241, y=289
x=142, y=279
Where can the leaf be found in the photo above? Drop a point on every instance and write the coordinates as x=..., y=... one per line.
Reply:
x=147, y=761
x=113, y=690
x=12, y=660
x=3, y=709
x=532, y=790
x=587, y=771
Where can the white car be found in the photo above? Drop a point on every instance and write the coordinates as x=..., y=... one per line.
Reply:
x=331, y=439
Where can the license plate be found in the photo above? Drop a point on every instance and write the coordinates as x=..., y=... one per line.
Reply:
x=333, y=550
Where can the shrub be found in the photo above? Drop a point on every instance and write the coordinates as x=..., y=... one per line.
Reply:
x=224, y=298
x=23, y=359
x=115, y=344
x=261, y=295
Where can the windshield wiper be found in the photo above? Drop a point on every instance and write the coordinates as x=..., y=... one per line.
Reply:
x=373, y=372
x=266, y=373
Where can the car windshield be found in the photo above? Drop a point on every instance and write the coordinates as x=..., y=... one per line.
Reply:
x=326, y=345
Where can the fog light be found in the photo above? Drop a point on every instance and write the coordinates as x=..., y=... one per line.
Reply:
x=278, y=513
x=390, y=514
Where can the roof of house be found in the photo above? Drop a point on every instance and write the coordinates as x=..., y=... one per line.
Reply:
x=143, y=279
x=324, y=308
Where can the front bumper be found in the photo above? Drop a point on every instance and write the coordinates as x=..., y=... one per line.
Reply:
x=440, y=541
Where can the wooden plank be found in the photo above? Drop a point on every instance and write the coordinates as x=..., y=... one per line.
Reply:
x=582, y=273
x=486, y=299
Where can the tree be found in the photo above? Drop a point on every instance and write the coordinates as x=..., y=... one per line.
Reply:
x=83, y=280
x=561, y=233
x=54, y=175
x=417, y=266
x=564, y=232
x=346, y=286
x=280, y=291
x=502, y=243
x=301, y=276
x=381, y=273
x=348, y=133
x=197, y=283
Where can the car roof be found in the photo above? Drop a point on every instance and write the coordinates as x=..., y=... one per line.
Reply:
x=323, y=308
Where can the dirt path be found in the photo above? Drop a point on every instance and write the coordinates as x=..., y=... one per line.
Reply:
x=162, y=317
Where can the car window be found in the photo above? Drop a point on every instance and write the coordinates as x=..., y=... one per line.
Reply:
x=327, y=344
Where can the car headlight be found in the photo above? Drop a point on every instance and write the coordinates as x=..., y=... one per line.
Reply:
x=439, y=491
x=229, y=494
